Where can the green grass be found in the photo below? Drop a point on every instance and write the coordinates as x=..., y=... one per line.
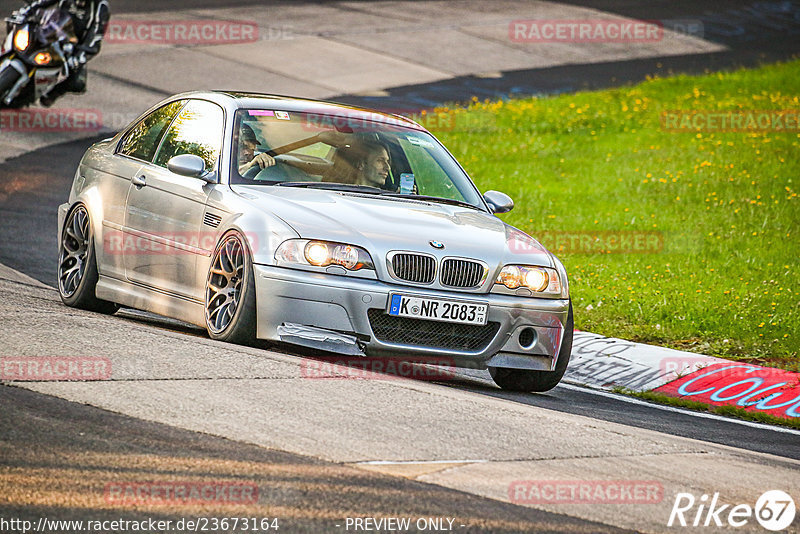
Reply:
x=726, y=411
x=725, y=282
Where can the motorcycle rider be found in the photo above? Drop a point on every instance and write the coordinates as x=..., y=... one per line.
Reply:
x=90, y=20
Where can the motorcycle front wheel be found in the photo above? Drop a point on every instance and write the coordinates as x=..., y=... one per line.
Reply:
x=8, y=78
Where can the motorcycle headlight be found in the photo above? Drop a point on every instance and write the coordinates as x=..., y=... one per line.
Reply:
x=22, y=38
x=323, y=254
x=42, y=58
x=537, y=279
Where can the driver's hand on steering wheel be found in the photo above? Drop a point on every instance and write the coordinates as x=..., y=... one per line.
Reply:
x=262, y=160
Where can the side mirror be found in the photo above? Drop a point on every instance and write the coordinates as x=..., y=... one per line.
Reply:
x=498, y=202
x=192, y=166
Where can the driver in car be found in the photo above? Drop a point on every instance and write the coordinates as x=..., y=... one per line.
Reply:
x=248, y=142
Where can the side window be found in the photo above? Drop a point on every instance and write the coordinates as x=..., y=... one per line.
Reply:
x=141, y=142
x=196, y=130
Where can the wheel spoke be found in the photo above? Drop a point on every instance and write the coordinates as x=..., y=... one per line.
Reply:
x=218, y=306
x=70, y=270
x=71, y=233
x=227, y=260
x=78, y=225
x=229, y=309
x=67, y=259
x=71, y=279
x=224, y=310
x=84, y=220
x=215, y=288
x=222, y=317
x=219, y=299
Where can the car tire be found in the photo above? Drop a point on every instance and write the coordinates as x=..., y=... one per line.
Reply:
x=230, y=295
x=537, y=381
x=77, y=264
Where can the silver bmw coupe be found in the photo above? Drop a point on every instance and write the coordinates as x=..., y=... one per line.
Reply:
x=316, y=224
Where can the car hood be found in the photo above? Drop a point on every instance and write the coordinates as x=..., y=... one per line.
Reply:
x=384, y=224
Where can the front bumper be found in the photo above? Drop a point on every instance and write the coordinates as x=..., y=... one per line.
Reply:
x=529, y=336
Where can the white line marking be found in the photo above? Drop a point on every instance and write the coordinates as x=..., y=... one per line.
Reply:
x=634, y=400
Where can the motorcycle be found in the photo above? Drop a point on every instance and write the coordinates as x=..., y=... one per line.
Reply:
x=34, y=57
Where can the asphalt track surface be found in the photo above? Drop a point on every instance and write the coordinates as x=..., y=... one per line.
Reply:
x=35, y=183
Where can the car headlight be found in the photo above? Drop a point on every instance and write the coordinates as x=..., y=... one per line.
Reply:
x=536, y=279
x=323, y=254
x=22, y=38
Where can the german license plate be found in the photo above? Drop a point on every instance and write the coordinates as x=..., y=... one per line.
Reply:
x=450, y=311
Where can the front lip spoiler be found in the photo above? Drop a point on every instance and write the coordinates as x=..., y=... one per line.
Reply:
x=321, y=339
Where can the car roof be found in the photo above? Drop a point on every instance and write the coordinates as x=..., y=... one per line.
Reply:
x=244, y=100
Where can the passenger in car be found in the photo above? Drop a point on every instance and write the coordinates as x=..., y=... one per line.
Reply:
x=361, y=163
x=373, y=169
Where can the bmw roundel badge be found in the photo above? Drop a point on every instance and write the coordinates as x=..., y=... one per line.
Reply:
x=436, y=244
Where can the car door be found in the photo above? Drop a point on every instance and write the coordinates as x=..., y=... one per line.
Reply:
x=135, y=149
x=164, y=210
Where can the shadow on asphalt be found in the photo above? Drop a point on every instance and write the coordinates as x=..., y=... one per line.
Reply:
x=59, y=458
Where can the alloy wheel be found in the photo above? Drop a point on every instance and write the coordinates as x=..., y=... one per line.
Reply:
x=74, y=250
x=224, y=285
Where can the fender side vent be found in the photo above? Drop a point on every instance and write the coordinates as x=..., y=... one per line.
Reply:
x=209, y=219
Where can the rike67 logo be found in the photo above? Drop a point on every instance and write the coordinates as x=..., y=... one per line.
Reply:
x=774, y=510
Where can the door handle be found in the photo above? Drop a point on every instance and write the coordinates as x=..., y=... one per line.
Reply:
x=139, y=181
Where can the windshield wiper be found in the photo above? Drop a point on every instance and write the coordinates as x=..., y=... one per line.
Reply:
x=333, y=186
x=442, y=200
x=353, y=188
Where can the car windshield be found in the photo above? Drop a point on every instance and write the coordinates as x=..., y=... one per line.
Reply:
x=284, y=148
